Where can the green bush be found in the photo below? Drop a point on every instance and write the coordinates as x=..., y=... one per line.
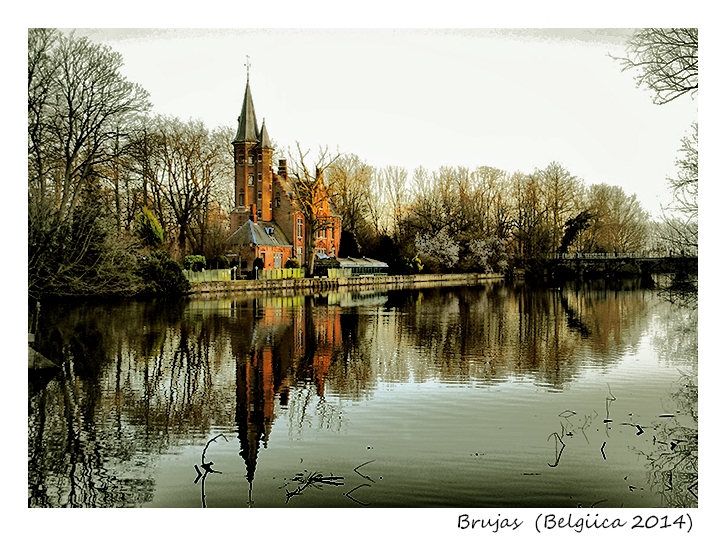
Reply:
x=163, y=275
x=195, y=262
x=292, y=263
x=148, y=229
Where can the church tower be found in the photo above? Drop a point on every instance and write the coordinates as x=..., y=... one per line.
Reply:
x=253, y=166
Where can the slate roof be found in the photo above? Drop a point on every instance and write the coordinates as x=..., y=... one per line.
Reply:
x=251, y=233
x=247, y=130
x=264, y=138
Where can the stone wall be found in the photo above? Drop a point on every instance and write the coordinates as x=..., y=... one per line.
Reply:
x=323, y=284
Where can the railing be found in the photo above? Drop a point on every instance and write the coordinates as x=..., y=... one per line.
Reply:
x=611, y=255
x=340, y=273
x=211, y=275
x=281, y=274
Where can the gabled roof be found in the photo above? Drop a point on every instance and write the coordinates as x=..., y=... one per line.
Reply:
x=259, y=234
x=247, y=130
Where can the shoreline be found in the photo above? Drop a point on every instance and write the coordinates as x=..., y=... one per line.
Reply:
x=332, y=284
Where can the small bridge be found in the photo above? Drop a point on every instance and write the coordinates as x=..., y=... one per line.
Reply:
x=617, y=264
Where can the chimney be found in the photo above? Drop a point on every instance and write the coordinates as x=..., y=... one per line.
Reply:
x=283, y=168
x=253, y=213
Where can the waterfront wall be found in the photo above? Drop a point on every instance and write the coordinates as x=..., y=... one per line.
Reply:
x=324, y=284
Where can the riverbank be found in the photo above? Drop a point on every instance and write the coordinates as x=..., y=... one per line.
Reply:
x=327, y=284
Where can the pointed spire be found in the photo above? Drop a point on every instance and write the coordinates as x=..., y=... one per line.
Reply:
x=247, y=130
x=264, y=138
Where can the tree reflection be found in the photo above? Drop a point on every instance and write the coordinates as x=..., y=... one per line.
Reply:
x=673, y=462
x=673, y=467
x=132, y=378
x=139, y=378
x=492, y=334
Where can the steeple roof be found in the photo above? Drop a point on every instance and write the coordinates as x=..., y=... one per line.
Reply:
x=247, y=130
x=264, y=138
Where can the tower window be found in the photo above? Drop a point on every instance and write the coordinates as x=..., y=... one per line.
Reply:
x=300, y=228
x=250, y=159
x=259, y=176
x=259, y=195
x=251, y=179
x=242, y=199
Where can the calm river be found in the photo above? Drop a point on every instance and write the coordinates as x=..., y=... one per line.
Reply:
x=492, y=396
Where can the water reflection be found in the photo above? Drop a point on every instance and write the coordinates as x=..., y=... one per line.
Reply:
x=140, y=380
x=673, y=457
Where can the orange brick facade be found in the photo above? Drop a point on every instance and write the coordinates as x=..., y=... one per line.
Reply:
x=265, y=197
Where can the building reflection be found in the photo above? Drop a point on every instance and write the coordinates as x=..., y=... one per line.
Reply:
x=286, y=341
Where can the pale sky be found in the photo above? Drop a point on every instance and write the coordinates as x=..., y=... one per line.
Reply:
x=511, y=99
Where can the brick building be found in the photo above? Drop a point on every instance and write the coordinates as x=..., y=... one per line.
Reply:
x=267, y=221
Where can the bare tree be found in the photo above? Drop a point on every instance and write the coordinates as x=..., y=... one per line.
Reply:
x=618, y=222
x=561, y=192
x=396, y=197
x=681, y=218
x=349, y=182
x=79, y=104
x=666, y=61
x=190, y=167
x=311, y=195
x=530, y=229
x=82, y=101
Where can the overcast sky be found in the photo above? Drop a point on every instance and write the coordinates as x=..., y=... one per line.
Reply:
x=511, y=99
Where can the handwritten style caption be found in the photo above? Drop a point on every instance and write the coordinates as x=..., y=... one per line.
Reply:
x=546, y=522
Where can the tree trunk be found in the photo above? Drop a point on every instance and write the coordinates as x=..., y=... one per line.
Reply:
x=310, y=248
